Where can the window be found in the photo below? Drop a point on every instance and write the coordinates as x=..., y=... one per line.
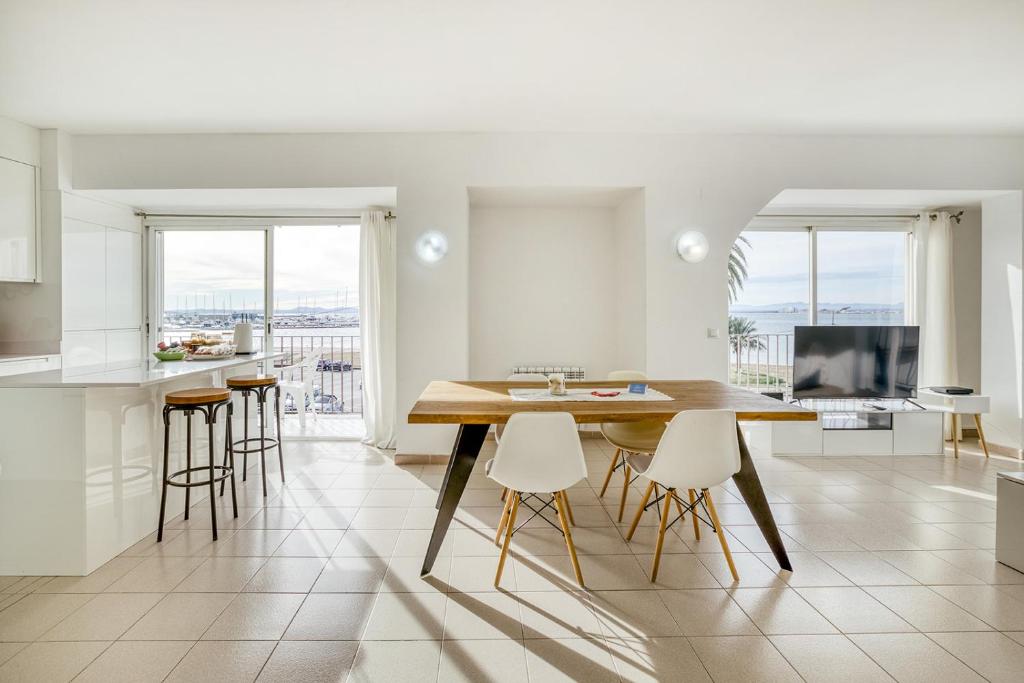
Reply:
x=809, y=276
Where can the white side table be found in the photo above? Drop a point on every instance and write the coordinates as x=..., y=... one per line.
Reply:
x=956, y=405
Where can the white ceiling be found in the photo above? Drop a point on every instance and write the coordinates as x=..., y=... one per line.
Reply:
x=877, y=199
x=553, y=197
x=302, y=201
x=787, y=66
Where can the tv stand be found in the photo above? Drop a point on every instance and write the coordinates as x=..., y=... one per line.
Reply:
x=861, y=426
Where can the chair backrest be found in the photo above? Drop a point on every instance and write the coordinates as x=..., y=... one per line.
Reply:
x=304, y=370
x=627, y=376
x=698, y=450
x=539, y=452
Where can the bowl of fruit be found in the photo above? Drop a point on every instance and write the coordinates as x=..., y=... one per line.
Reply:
x=172, y=351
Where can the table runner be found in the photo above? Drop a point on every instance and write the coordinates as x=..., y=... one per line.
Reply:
x=585, y=395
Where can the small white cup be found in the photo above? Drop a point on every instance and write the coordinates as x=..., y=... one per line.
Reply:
x=556, y=384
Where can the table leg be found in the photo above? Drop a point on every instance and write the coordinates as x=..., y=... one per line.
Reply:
x=981, y=434
x=460, y=465
x=956, y=436
x=749, y=485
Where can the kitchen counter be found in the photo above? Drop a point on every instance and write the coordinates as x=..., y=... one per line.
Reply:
x=133, y=374
x=81, y=459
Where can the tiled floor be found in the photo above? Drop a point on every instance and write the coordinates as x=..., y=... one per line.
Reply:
x=894, y=578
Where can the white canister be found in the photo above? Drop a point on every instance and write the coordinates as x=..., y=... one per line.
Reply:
x=556, y=384
x=243, y=338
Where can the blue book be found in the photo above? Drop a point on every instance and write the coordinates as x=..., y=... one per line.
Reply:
x=638, y=388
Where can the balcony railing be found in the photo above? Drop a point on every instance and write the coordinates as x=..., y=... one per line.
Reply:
x=762, y=362
x=338, y=378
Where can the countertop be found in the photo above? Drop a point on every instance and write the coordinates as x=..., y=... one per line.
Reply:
x=134, y=374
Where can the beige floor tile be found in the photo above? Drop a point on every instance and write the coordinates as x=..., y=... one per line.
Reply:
x=552, y=573
x=180, y=616
x=982, y=563
x=96, y=582
x=866, y=569
x=926, y=567
x=808, y=570
x=190, y=542
x=221, y=575
x=913, y=658
x=156, y=575
x=403, y=576
x=561, y=614
x=754, y=573
x=577, y=659
x=824, y=658
x=379, y=518
x=275, y=518
x=781, y=611
x=222, y=661
x=351, y=575
x=331, y=616
x=469, y=661
x=377, y=661
x=760, y=661
x=286, y=575
x=406, y=616
x=633, y=614
x=656, y=659
x=105, y=617
x=678, y=571
x=135, y=662
x=475, y=542
x=707, y=613
x=852, y=610
x=34, y=615
x=310, y=543
x=617, y=572
x=482, y=616
x=49, y=662
x=992, y=655
x=476, y=574
x=368, y=543
x=255, y=616
x=926, y=610
x=251, y=543
x=309, y=662
x=8, y=650
x=995, y=607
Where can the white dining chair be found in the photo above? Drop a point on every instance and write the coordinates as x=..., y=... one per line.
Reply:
x=539, y=455
x=297, y=380
x=500, y=428
x=627, y=438
x=698, y=450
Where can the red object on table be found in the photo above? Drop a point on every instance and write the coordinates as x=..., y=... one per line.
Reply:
x=605, y=394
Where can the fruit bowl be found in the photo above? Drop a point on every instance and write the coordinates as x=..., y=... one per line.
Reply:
x=176, y=354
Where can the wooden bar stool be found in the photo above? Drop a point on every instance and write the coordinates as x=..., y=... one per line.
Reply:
x=260, y=385
x=207, y=401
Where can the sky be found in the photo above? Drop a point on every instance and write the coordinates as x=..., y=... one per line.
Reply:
x=853, y=267
x=312, y=264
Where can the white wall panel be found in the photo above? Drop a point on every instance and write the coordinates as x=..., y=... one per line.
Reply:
x=84, y=277
x=123, y=279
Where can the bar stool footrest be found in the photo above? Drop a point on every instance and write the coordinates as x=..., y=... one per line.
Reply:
x=269, y=441
x=225, y=472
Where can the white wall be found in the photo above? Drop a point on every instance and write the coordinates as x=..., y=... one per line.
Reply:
x=542, y=289
x=714, y=183
x=629, y=243
x=1001, y=296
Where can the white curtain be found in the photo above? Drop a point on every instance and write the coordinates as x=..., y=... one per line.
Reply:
x=935, y=300
x=378, y=313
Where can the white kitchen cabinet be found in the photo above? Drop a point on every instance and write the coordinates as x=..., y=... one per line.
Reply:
x=123, y=345
x=19, y=226
x=84, y=268
x=124, y=275
x=84, y=348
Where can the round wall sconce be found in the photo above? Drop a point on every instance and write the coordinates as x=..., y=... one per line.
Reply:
x=431, y=246
x=692, y=246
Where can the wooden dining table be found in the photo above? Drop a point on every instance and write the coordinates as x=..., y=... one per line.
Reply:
x=475, y=406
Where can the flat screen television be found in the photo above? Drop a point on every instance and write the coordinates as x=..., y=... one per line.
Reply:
x=855, y=361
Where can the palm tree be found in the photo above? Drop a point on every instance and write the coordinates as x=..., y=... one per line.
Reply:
x=743, y=334
x=737, y=267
